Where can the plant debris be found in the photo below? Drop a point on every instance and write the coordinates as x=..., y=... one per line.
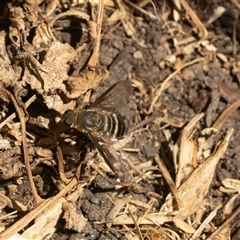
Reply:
x=182, y=147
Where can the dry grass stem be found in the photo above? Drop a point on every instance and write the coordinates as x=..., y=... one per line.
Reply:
x=119, y=119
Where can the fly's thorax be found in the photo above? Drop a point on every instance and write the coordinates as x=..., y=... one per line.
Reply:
x=88, y=120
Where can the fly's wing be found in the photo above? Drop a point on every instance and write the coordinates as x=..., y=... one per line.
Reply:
x=117, y=164
x=114, y=97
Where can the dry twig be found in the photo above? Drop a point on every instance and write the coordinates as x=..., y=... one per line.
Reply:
x=24, y=143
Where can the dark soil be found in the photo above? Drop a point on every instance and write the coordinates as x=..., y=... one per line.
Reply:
x=207, y=86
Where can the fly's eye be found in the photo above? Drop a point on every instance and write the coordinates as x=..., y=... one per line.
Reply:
x=68, y=118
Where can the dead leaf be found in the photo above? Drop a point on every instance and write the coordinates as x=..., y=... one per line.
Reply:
x=192, y=192
x=74, y=220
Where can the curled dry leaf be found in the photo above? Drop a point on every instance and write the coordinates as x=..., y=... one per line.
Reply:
x=193, y=191
x=17, y=16
x=230, y=185
x=89, y=80
x=31, y=9
x=187, y=153
x=19, y=29
x=43, y=36
x=48, y=78
x=43, y=152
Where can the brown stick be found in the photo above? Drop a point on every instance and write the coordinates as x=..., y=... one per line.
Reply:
x=24, y=143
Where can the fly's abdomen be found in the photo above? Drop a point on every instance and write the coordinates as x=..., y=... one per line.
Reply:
x=114, y=126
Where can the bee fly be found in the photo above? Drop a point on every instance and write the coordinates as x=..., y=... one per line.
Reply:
x=102, y=123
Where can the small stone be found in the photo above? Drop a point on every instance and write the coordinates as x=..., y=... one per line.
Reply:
x=138, y=54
